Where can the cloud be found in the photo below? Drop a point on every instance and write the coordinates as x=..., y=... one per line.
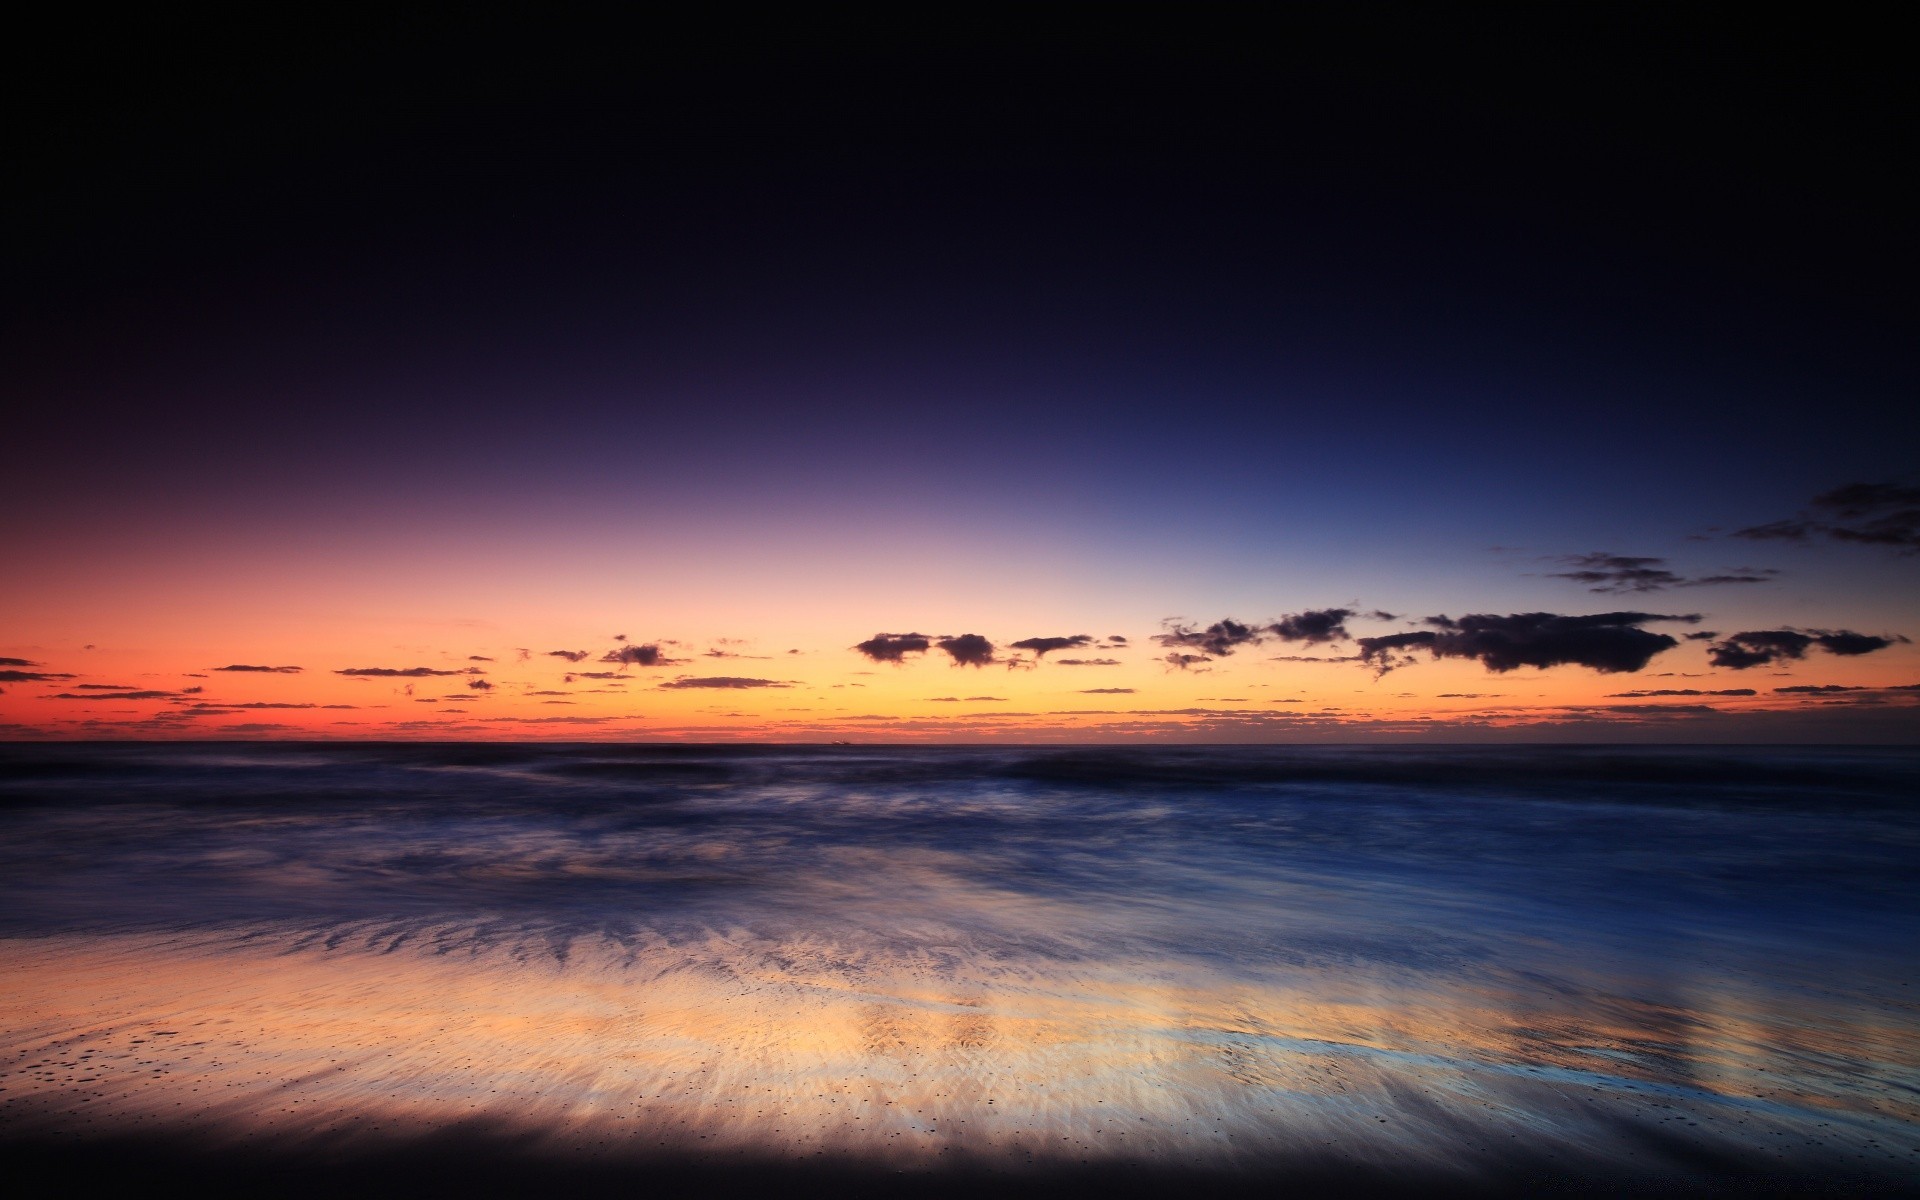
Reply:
x=146, y=695
x=1217, y=640
x=648, y=655
x=894, y=647
x=480, y=685
x=1041, y=645
x=1610, y=642
x=995, y=699
x=1819, y=689
x=478, y=658
x=399, y=672
x=1106, y=691
x=1875, y=514
x=1758, y=647
x=1117, y=639
x=1617, y=573
x=1185, y=662
x=1680, y=692
x=724, y=681
x=1086, y=662
x=1380, y=614
x=1314, y=626
x=968, y=650
x=1700, y=635
x=569, y=655
x=17, y=662
x=259, y=670
x=596, y=675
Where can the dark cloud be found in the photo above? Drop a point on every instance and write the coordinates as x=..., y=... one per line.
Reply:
x=996, y=699
x=1118, y=639
x=1758, y=647
x=1616, y=573
x=724, y=681
x=259, y=670
x=1315, y=658
x=1086, y=662
x=147, y=695
x=1875, y=514
x=1185, y=662
x=1680, y=692
x=1221, y=638
x=1313, y=626
x=1041, y=645
x=1700, y=635
x=480, y=685
x=398, y=672
x=1380, y=614
x=894, y=647
x=968, y=650
x=1847, y=643
x=1610, y=642
x=17, y=662
x=478, y=658
x=648, y=655
x=1819, y=689
x=1106, y=691
x=595, y=675
x=569, y=655
x=108, y=687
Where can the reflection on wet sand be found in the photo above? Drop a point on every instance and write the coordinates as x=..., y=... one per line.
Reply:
x=736, y=1046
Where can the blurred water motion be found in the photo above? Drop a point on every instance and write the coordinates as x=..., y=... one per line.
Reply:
x=1250, y=959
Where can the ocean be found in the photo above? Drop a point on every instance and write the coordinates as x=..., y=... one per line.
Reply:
x=839, y=968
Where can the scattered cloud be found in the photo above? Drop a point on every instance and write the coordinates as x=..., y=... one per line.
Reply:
x=1217, y=640
x=400, y=672
x=480, y=685
x=1185, y=662
x=1086, y=662
x=1758, y=647
x=724, y=681
x=572, y=656
x=1607, y=642
x=259, y=670
x=1618, y=573
x=1875, y=514
x=995, y=699
x=1681, y=692
x=143, y=695
x=648, y=655
x=968, y=650
x=1042, y=645
x=894, y=647
x=17, y=662
x=1313, y=627
x=478, y=658
x=1106, y=691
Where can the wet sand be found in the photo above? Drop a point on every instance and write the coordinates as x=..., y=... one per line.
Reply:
x=875, y=1017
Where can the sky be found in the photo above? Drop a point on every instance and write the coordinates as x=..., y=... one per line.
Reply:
x=1385, y=374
